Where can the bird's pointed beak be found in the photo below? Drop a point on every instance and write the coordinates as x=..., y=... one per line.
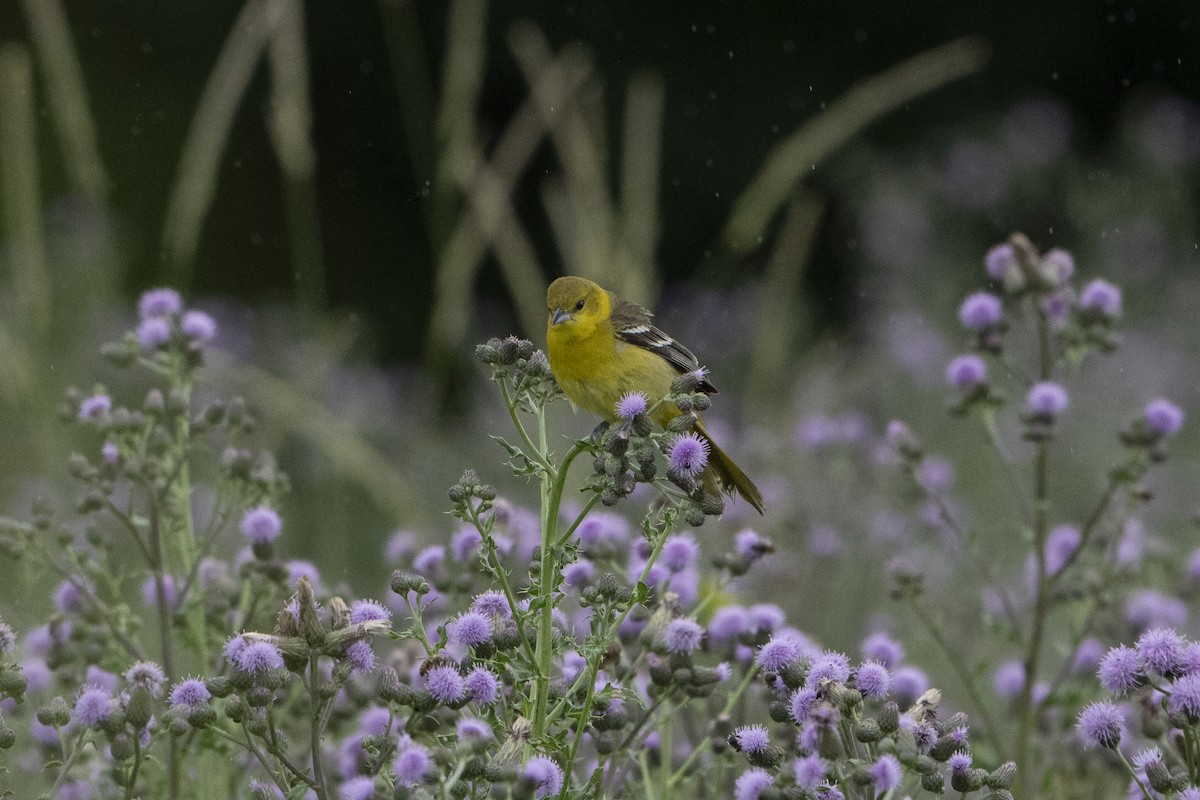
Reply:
x=559, y=315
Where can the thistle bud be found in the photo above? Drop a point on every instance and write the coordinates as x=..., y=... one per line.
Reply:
x=138, y=711
x=889, y=717
x=12, y=682
x=8, y=737
x=219, y=686
x=933, y=782
x=1002, y=777
x=121, y=747
x=201, y=717
x=867, y=730
x=1159, y=775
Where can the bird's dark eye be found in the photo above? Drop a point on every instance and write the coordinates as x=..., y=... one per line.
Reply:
x=579, y=306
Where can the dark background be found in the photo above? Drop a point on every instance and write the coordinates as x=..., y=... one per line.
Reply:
x=737, y=78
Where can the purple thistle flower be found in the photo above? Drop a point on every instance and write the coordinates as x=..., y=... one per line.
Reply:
x=465, y=544
x=153, y=333
x=1061, y=545
x=1185, y=697
x=1161, y=649
x=37, y=675
x=882, y=648
x=1120, y=670
x=935, y=474
x=751, y=784
x=361, y=656
x=1009, y=680
x=959, y=762
x=830, y=792
x=546, y=776
x=809, y=771
x=95, y=407
x=766, y=617
x=430, y=559
x=631, y=404
x=751, y=738
x=727, y=623
x=483, y=685
x=1144, y=758
x=1056, y=308
x=1191, y=658
x=492, y=603
x=257, y=657
x=1088, y=655
x=1046, y=399
x=750, y=546
x=579, y=573
x=1147, y=608
x=1101, y=297
x=886, y=772
x=829, y=666
x=298, y=568
x=908, y=683
x=102, y=679
x=1163, y=417
x=966, y=372
x=679, y=552
x=688, y=455
x=360, y=787
x=150, y=591
x=780, y=651
x=412, y=764
x=189, y=693
x=802, y=703
x=159, y=303
x=1058, y=266
x=198, y=326
x=146, y=674
x=998, y=261
x=110, y=453
x=873, y=679
x=470, y=728
x=724, y=671
x=369, y=611
x=93, y=706
x=445, y=684
x=469, y=629
x=980, y=311
x=1101, y=724
x=261, y=525
x=683, y=635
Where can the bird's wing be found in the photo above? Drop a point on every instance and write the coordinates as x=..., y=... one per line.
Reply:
x=632, y=324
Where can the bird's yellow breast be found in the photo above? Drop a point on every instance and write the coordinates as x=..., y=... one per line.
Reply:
x=595, y=371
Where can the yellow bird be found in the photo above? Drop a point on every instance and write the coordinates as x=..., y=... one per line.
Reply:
x=602, y=347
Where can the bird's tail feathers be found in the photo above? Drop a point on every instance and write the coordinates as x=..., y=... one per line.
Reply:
x=728, y=476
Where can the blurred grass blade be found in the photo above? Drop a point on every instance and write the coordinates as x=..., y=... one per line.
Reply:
x=31, y=285
x=454, y=281
x=345, y=449
x=291, y=123
x=864, y=103
x=777, y=312
x=582, y=156
x=196, y=182
x=492, y=219
x=414, y=87
x=641, y=162
x=72, y=116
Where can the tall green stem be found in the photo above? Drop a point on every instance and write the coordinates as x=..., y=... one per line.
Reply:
x=552, y=490
x=1033, y=653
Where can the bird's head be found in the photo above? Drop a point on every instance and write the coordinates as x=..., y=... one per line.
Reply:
x=576, y=305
